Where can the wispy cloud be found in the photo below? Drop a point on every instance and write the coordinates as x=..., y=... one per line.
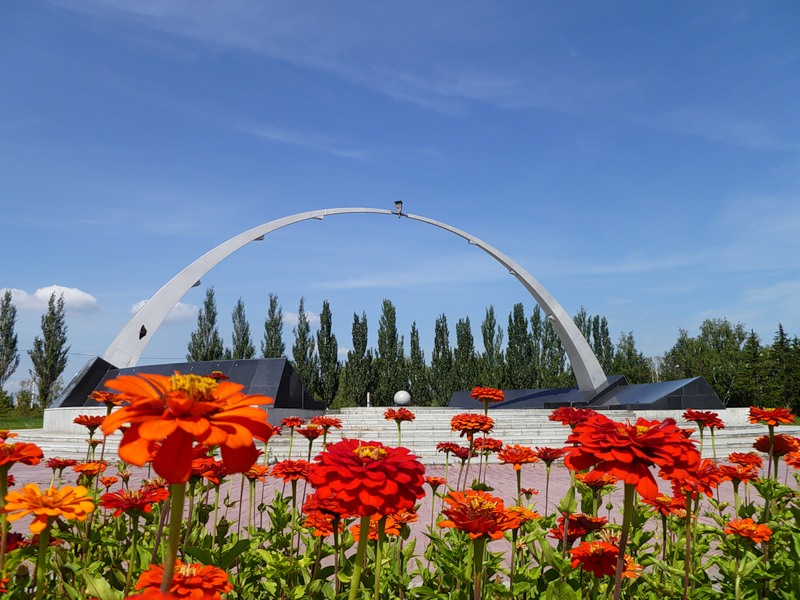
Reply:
x=291, y=318
x=75, y=300
x=308, y=141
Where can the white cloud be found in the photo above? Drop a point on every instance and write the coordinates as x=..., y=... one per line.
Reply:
x=291, y=318
x=75, y=300
x=180, y=313
x=302, y=140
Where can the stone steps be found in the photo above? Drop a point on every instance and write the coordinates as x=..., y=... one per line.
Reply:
x=432, y=425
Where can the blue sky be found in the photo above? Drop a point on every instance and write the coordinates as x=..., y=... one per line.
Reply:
x=639, y=159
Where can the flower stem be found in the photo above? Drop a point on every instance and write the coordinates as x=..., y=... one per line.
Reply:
x=379, y=557
x=134, y=553
x=479, y=545
x=399, y=436
x=177, y=492
x=3, y=521
x=41, y=559
x=363, y=537
x=627, y=517
x=519, y=486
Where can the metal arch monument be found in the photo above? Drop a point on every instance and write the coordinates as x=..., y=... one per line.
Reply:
x=130, y=343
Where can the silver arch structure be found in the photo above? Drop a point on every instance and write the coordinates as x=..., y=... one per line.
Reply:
x=127, y=347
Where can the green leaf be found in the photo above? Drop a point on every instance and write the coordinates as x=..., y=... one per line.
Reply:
x=560, y=590
x=568, y=504
x=98, y=587
x=201, y=554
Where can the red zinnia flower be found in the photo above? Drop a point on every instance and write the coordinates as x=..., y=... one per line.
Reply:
x=579, y=526
x=704, y=418
x=782, y=444
x=446, y=447
x=746, y=528
x=181, y=410
x=189, y=581
x=477, y=513
x=463, y=453
x=487, y=394
x=571, y=416
x=528, y=492
x=219, y=376
x=549, y=455
x=126, y=501
x=702, y=479
x=771, y=416
x=6, y=434
x=91, y=422
x=291, y=470
x=600, y=558
x=311, y=432
x=327, y=506
x=368, y=478
x=19, y=452
x=628, y=451
x=469, y=424
x=746, y=459
x=398, y=415
x=487, y=445
x=292, y=422
x=793, y=460
x=435, y=482
x=517, y=455
x=59, y=464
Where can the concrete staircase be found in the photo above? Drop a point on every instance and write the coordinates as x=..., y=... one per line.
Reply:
x=432, y=425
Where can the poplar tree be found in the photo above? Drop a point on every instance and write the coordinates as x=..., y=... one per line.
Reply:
x=9, y=353
x=491, y=365
x=390, y=357
x=328, y=349
x=359, y=363
x=272, y=345
x=465, y=364
x=631, y=363
x=555, y=372
x=304, y=359
x=49, y=352
x=441, y=373
x=519, y=353
x=242, y=347
x=206, y=342
x=418, y=380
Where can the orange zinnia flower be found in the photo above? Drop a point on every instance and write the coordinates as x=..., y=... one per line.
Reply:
x=704, y=418
x=257, y=473
x=522, y=514
x=404, y=517
x=391, y=527
x=628, y=451
x=181, y=410
x=782, y=444
x=487, y=394
x=398, y=415
x=571, y=416
x=67, y=502
x=292, y=422
x=91, y=422
x=668, y=505
x=90, y=469
x=6, y=434
x=435, y=482
x=110, y=399
x=746, y=528
x=632, y=569
x=291, y=470
x=157, y=594
x=596, y=480
x=368, y=478
x=793, y=460
x=746, y=459
x=107, y=482
x=320, y=523
x=579, y=526
x=517, y=455
x=478, y=513
x=138, y=501
x=326, y=422
x=469, y=424
x=599, y=558
x=702, y=479
x=771, y=416
x=738, y=473
x=19, y=452
x=311, y=432
x=189, y=581
x=488, y=445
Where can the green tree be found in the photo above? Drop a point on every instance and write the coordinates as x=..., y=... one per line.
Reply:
x=554, y=368
x=49, y=352
x=492, y=361
x=750, y=383
x=594, y=329
x=390, y=376
x=782, y=367
x=272, y=345
x=359, y=363
x=465, y=365
x=441, y=373
x=242, y=347
x=24, y=402
x=520, y=360
x=9, y=353
x=631, y=363
x=328, y=349
x=418, y=380
x=206, y=342
x=304, y=361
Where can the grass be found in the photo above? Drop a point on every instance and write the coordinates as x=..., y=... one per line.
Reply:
x=14, y=422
